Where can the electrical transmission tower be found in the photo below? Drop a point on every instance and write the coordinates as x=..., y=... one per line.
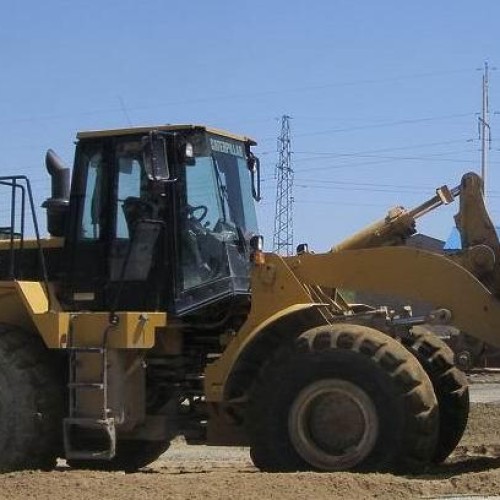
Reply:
x=283, y=221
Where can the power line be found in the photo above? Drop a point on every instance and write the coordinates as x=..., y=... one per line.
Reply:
x=355, y=204
x=433, y=158
x=384, y=125
x=243, y=95
x=430, y=158
x=386, y=150
x=125, y=110
x=342, y=204
x=327, y=184
x=323, y=156
x=393, y=123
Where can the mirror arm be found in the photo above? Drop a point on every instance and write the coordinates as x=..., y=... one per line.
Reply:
x=255, y=172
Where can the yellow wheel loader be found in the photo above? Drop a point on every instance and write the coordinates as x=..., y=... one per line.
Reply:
x=152, y=312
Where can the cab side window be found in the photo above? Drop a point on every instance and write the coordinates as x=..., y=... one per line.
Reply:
x=93, y=203
x=129, y=188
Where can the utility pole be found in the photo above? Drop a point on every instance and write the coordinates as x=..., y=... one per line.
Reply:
x=283, y=221
x=484, y=128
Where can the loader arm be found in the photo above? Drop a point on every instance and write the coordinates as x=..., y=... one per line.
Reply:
x=281, y=285
x=466, y=283
x=412, y=274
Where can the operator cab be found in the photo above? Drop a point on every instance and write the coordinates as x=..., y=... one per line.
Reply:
x=158, y=219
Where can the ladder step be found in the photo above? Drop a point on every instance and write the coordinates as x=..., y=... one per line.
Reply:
x=96, y=350
x=92, y=437
x=86, y=385
x=102, y=429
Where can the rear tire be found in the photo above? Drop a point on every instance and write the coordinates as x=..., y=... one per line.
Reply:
x=31, y=402
x=348, y=378
x=450, y=386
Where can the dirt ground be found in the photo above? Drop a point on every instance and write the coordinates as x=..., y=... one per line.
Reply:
x=205, y=473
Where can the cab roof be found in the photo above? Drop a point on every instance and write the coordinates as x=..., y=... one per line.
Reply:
x=166, y=128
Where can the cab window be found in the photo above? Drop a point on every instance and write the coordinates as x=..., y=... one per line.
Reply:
x=94, y=198
x=129, y=187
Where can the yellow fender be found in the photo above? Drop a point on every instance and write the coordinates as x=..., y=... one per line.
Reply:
x=276, y=294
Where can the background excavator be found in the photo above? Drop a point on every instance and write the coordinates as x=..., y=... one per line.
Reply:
x=152, y=312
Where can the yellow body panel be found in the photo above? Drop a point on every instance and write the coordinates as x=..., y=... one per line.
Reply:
x=32, y=244
x=26, y=304
x=276, y=293
x=161, y=128
x=34, y=296
x=134, y=330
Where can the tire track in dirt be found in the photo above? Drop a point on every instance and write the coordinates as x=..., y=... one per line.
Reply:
x=211, y=473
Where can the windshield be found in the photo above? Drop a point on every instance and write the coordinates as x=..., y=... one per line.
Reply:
x=220, y=182
x=219, y=212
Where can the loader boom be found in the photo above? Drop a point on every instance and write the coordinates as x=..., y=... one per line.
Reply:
x=398, y=225
x=464, y=284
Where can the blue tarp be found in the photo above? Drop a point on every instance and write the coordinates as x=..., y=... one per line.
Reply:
x=453, y=242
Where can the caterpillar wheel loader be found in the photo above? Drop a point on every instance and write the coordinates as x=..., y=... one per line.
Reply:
x=151, y=311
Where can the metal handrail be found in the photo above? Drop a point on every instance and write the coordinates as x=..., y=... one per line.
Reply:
x=22, y=183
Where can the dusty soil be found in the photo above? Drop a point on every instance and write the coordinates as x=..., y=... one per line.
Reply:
x=204, y=473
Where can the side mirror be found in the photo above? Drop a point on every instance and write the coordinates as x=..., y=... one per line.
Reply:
x=253, y=164
x=156, y=157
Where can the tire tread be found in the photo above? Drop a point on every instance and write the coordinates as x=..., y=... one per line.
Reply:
x=391, y=357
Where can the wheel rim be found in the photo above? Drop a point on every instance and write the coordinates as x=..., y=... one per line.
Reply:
x=333, y=424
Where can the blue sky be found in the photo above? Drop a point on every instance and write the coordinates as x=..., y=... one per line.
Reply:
x=383, y=95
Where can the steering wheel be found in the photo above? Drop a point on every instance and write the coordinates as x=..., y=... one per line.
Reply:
x=191, y=210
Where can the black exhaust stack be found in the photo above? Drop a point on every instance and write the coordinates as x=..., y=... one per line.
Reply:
x=57, y=205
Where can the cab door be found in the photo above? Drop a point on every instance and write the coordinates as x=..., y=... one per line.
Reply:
x=135, y=247
x=88, y=234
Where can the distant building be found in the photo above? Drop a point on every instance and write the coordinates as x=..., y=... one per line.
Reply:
x=426, y=243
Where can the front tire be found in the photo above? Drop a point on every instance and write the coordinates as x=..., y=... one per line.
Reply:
x=342, y=397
